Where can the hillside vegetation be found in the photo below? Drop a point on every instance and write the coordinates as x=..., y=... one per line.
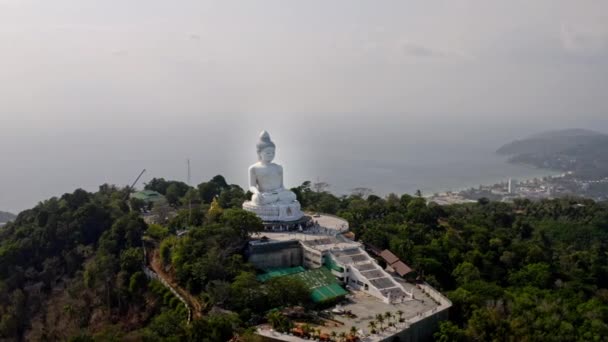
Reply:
x=70, y=268
x=581, y=151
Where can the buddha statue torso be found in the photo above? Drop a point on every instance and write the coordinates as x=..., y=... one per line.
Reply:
x=266, y=177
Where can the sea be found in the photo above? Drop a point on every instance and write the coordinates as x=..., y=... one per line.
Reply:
x=385, y=163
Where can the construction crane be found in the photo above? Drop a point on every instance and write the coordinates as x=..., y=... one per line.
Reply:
x=130, y=188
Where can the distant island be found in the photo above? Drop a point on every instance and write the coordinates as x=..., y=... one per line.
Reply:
x=5, y=217
x=580, y=151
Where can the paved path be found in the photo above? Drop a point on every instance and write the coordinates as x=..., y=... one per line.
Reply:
x=194, y=303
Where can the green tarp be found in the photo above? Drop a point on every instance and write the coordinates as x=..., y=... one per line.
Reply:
x=279, y=272
x=321, y=282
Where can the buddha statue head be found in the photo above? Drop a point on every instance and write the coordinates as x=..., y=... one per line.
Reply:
x=265, y=148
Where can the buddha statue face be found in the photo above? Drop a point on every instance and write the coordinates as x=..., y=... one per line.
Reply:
x=265, y=148
x=266, y=155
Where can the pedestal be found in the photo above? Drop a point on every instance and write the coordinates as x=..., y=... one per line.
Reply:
x=280, y=212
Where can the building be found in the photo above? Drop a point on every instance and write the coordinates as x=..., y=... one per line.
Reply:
x=336, y=268
x=149, y=197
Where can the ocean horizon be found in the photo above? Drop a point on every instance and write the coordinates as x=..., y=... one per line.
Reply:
x=437, y=170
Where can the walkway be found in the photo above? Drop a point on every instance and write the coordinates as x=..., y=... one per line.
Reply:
x=194, y=303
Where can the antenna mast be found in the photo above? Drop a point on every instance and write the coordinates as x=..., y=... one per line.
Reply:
x=189, y=197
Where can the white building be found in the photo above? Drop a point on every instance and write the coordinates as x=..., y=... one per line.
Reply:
x=354, y=268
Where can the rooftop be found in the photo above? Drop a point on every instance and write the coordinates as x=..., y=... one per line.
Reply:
x=148, y=196
x=364, y=309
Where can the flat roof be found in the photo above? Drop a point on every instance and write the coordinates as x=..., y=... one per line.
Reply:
x=366, y=266
x=365, y=307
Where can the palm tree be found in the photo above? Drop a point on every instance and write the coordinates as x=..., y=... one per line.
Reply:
x=372, y=327
x=380, y=320
x=333, y=335
x=342, y=336
x=388, y=315
x=353, y=331
x=400, y=314
x=306, y=329
x=274, y=318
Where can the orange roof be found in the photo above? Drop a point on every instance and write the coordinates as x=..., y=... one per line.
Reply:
x=401, y=268
x=349, y=235
x=389, y=257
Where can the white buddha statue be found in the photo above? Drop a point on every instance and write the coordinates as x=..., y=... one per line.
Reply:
x=270, y=200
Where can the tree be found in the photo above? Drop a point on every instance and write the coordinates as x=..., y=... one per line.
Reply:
x=131, y=260
x=173, y=194
x=278, y=321
x=388, y=315
x=157, y=232
x=214, y=327
x=400, y=315
x=380, y=320
x=220, y=181
x=320, y=186
x=215, y=211
x=243, y=222
x=285, y=291
x=161, y=213
x=137, y=204
x=209, y=190
x=167, y=325
x=159, y=185
x=137, y=282
x=449, y=332
x=537, y=274
x=361, y=192
x=372, y=327
x=245, y=291
x=466, y=272
x=232, y=197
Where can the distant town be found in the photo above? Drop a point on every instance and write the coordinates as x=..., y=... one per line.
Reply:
x=578, y=153
x=563, y=185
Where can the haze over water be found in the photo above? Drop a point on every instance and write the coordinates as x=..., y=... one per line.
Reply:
x=396, y=96
x=385, y=156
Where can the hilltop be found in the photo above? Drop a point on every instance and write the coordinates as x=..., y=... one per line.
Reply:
x=578, y=150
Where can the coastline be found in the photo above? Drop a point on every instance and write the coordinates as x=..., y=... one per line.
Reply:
x=539, y=173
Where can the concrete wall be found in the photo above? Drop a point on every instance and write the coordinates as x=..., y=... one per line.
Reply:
x=312, y=258
x=421, y=330
x=273, y=255
x=354, y=274
x=423, y=327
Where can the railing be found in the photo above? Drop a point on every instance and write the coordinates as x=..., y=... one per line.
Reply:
x=153, y=275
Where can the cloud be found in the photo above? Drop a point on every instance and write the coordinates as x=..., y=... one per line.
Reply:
x=584, y=41
x=423, y=51
x=417, y=50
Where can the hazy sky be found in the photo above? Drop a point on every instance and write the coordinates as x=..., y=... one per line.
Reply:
x=121, y=80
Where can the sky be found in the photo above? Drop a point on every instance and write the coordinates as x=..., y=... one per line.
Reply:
x=93, y=91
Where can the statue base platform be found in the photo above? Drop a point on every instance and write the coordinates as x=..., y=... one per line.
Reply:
x=303, y=224
x=280, y=212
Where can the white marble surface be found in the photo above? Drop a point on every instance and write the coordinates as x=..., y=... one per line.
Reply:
x=271, y=201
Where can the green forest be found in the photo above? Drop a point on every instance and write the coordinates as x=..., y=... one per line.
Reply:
x=71, y=268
